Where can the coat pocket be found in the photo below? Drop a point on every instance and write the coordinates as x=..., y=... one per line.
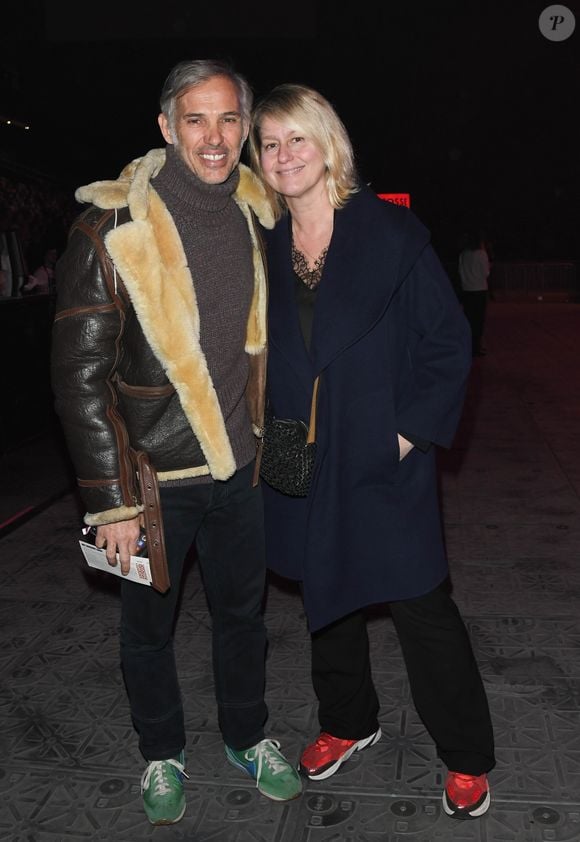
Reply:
x=146, y=392
x=150, y=414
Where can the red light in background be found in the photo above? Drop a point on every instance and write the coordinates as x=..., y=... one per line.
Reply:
x=396, y=198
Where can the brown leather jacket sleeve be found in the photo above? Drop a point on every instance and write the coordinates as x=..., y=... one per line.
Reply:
x=86, y=344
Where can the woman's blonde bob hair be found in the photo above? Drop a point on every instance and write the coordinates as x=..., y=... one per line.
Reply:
x=308, y=112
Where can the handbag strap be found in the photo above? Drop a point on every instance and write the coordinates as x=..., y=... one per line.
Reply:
x=312, y=425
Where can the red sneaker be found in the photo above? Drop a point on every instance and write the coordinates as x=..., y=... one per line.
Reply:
x=326, y=755
x=466, y=796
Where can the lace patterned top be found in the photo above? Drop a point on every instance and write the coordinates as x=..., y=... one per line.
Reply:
x=310, y=277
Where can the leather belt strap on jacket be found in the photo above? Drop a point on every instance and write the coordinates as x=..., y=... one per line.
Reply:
x=153, y=520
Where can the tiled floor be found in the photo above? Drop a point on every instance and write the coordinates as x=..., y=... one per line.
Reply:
x=69, y=766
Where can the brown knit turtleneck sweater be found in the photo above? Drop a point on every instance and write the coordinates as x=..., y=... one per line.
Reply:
x=218, y=250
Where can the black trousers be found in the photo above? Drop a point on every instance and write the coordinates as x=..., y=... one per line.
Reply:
x=475, y=308
x=444, y=678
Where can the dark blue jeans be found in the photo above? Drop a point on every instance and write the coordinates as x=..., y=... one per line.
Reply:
x=225, y=521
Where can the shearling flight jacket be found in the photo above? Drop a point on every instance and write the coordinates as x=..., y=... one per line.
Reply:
x=128, y=370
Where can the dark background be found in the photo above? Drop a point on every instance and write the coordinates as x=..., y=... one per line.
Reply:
x=464, y=105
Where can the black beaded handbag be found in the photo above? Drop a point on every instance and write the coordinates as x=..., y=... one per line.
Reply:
x=288, y=451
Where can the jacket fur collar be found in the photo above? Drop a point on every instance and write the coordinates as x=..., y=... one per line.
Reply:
x=148, y=253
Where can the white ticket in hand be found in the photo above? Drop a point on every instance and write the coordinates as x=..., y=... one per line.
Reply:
x=139, y=571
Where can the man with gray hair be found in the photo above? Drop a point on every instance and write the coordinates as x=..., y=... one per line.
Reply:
x=159, y=348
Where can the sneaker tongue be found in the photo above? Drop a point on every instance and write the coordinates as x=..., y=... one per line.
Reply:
x=161, y=782
x=274, y=762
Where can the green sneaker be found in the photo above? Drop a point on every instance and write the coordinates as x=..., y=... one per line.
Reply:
x=274, y=776
x=162, y=790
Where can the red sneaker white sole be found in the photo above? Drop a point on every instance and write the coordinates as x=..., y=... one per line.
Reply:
x=466, y=812
x=328, y=771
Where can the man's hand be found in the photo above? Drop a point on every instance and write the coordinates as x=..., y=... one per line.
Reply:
x=405, y=447
x=119, y=538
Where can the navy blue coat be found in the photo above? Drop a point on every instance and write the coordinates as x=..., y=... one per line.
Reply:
x=393, y=349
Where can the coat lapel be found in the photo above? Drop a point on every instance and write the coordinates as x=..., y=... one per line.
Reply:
x=150, y=258
x=373, y=246
x=359, y=278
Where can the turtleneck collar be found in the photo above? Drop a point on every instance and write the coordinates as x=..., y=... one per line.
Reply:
x=176, y=177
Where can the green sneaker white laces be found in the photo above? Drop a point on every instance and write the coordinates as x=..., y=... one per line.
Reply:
x=162, y=790
x=275, y=777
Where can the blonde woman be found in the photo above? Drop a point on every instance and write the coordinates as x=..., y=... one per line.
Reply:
x=358, y=297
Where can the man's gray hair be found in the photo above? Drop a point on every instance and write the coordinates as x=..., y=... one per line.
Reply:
x=187, y=74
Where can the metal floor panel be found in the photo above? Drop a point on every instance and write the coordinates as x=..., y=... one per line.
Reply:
x=69, y=764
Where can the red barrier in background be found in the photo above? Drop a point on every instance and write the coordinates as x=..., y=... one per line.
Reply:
x=396, y=198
